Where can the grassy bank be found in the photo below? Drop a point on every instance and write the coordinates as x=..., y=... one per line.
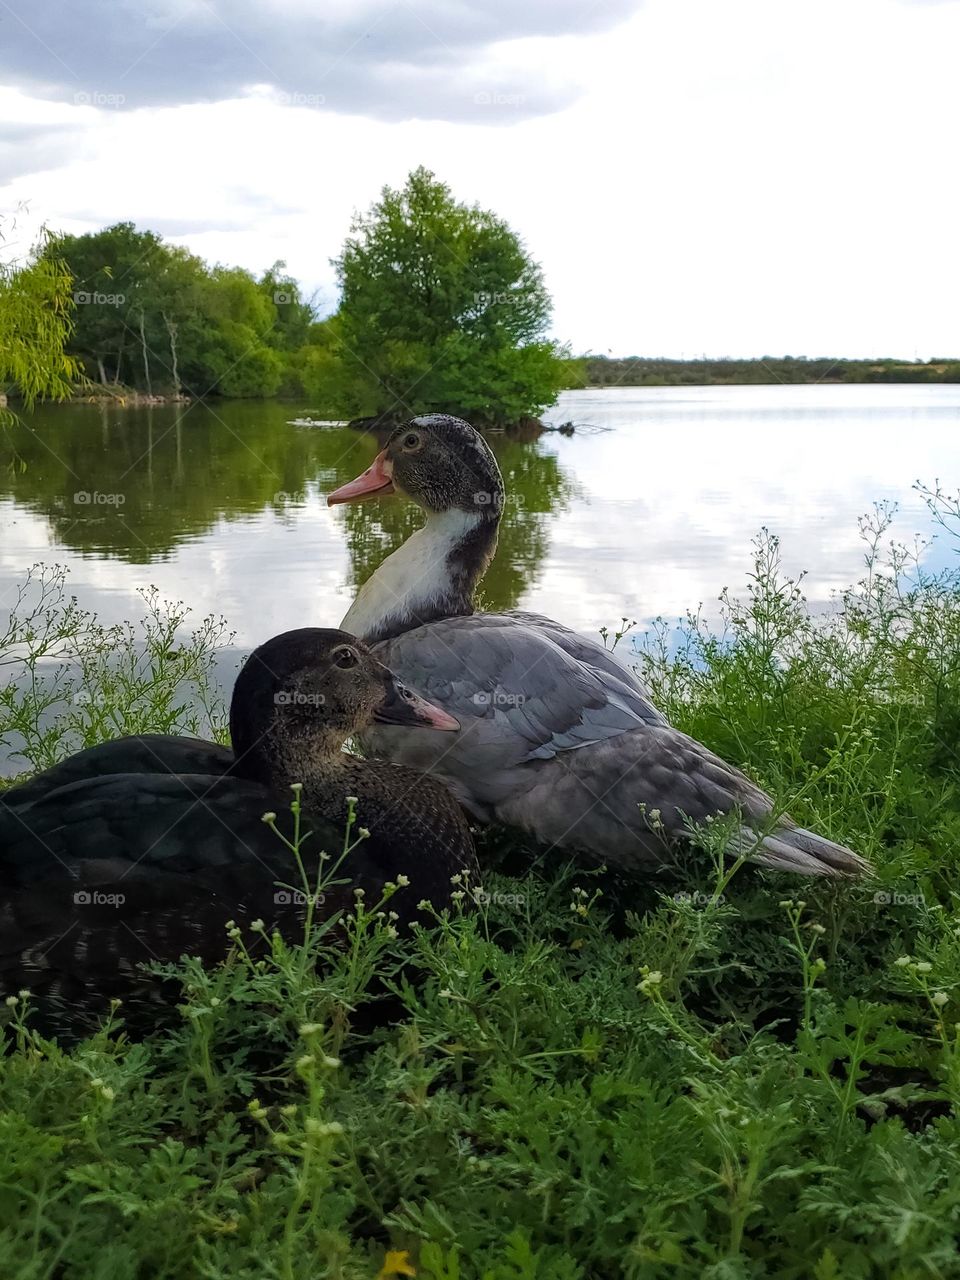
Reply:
x=704, y=1075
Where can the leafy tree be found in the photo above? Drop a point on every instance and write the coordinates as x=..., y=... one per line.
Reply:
x=293, y=315
x=35, y=324
x=320, y=371
x=114, y=288
x=154, y=316
x=442, y=308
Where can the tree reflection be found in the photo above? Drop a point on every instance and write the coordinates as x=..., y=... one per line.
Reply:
x=134, y=484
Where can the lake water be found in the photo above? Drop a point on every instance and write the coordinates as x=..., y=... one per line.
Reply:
x=648, y=512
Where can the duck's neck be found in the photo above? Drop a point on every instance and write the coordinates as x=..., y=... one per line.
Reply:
x=432, y=575
x=275, y=759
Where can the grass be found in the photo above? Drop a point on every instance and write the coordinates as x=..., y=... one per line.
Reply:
x=697, y=1076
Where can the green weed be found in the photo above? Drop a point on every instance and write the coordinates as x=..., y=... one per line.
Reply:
x=705, y=1075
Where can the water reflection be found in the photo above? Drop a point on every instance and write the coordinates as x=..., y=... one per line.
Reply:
x=223, y=507
x=231, y=500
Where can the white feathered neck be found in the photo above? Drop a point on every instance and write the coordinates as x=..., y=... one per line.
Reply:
x=432, y=575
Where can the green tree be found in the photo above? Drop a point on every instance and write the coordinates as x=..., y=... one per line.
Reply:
x=442, y=309
x=114, y=287
x=154, y=316
x=35, y=325
x=293, y=314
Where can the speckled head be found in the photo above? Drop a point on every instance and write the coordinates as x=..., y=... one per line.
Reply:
x=311, y=689
x=439, y=462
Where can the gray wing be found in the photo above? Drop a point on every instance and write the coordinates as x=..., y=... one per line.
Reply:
x=587, y=650
x=521, y=691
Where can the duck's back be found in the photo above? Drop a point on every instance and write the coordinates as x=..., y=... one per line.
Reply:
x=104, y=874
x=141, y=753
x=523, y=687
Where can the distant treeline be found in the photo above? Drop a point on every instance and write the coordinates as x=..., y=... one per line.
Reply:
x=639, y=371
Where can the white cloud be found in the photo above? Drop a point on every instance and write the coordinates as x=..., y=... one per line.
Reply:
x=742, y=178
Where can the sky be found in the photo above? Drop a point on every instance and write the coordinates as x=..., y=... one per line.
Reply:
x=718, y=177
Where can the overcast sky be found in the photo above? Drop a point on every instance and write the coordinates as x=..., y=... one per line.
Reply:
x=730, y=177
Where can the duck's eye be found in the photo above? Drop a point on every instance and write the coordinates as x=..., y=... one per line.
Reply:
x=411, y=442
x=345, y=659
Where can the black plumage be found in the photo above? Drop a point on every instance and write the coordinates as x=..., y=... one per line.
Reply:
x=145, y=848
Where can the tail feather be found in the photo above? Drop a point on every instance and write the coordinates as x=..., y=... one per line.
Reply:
x=795, y=849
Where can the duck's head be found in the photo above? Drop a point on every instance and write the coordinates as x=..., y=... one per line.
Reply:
x=439, y=462
x=303, y=693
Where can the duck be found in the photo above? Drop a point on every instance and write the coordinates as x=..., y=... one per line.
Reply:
x=558, y=736
x=151, y=847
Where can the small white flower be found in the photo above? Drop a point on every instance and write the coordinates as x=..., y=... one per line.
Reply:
x=403, y=881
